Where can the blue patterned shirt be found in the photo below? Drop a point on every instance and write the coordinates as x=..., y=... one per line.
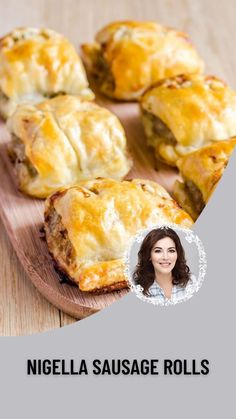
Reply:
x=178, y=293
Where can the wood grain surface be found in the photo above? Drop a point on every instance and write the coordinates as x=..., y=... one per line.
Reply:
x=211, y=27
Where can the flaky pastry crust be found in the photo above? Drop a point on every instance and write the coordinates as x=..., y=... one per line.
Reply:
x=36, y=64
x=201, y=171
x=63, y=140
x=128, y=57
x=99, y=218
x=194, y=110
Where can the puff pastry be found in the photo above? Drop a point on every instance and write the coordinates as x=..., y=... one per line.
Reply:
x=89, y=227
x=128, y=57
x=38, y=63
x=201, y=171
x=186, y=112
x=63, y=140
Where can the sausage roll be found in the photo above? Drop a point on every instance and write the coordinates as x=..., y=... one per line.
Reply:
x=128, y=57
x=187, y=112
x=63, y=140
x=89, y=227
x=36, y=64
x=201, y=171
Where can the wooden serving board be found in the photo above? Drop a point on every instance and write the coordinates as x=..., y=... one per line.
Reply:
x=23, y=217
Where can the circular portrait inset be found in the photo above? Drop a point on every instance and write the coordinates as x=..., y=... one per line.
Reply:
x=166, y=265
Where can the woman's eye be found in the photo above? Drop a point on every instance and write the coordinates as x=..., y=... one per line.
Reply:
x=172, y=250
x=157, y=251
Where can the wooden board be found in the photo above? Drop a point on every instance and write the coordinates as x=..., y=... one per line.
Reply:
x=23, y=217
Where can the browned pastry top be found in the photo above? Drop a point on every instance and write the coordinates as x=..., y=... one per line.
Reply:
x=101, y=217
x=134, y=55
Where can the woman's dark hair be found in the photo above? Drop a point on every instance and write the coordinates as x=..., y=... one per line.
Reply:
x=144, y=273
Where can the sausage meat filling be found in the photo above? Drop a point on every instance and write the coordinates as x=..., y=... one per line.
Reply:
x=24, y=167
x=160, y=137
x=58, y=240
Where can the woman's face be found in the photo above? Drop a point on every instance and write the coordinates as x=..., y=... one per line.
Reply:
x=164, y=255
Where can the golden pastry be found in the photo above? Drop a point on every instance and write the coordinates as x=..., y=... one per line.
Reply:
x=201, y=171
x=36, y=64
x=63, y=140
x=187, y=112
x=89, y=227
x=128, y=57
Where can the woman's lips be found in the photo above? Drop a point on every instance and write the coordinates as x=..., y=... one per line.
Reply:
x=165, y=264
